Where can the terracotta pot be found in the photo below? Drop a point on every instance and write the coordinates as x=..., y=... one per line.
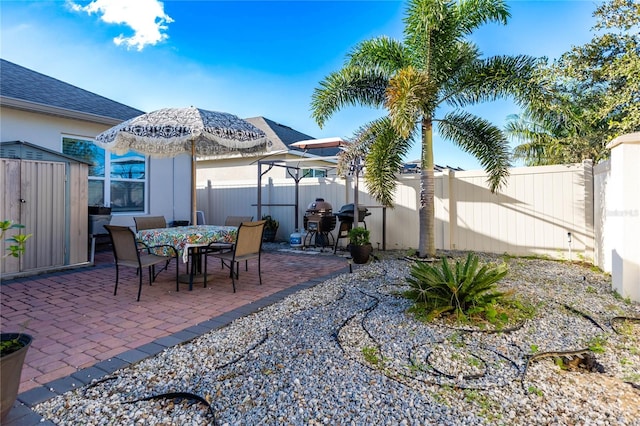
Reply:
x=360, y=254
x=10, y=371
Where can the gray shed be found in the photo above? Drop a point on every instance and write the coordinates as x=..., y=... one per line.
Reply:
x=46, y=191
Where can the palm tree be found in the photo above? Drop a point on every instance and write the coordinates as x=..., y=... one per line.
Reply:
x=433, y=66
x=564, y=127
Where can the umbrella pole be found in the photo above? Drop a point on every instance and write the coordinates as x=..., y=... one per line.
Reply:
x=194, y=220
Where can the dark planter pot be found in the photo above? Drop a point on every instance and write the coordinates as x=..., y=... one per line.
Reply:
x=10, y=371
x=99, y=210
x=360, y=254
x=269, y=235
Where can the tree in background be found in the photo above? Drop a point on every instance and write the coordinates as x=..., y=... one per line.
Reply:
x=596, y=94
x=434, y=65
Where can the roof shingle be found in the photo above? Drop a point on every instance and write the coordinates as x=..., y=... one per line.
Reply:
x=26, y=85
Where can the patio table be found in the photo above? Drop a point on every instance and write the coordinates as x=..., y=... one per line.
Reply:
x=184, y=238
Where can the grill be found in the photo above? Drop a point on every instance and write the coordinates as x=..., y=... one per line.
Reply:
x=347, y=216
x=319, y=221
x=346, y=213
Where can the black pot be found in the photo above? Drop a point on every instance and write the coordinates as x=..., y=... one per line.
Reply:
x=11, y=370
x=99, y=210
x=360, y=254
x=269, y=235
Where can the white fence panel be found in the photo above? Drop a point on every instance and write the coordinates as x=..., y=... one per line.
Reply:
x=532, y=214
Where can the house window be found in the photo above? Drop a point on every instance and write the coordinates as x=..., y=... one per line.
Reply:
x=314, y=173
x=116, y=181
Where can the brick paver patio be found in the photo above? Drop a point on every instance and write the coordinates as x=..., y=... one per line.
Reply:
x=77, y=323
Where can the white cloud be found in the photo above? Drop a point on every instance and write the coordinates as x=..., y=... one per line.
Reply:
x=146, y=18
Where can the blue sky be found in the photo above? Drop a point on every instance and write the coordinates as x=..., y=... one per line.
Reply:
x=250, y=58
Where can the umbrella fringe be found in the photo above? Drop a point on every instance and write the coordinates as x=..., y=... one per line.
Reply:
x=171, y=147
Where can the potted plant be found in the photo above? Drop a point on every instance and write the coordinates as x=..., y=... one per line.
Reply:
x=100, y=210
x=13, y=346
x=270, y=228
x=13, y=350
x=360, y=246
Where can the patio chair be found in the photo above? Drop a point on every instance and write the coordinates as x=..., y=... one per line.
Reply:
x=149, y=222
x=229, y=221
x=126, y=253
x=248, y=245
x=237, y=220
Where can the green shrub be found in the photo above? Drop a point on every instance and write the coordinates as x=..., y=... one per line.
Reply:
x=462, y=289
x=359, y=236
x=270, y=223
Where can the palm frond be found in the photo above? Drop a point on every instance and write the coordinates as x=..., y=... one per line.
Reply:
x=475, y=13
x=384, y=52
x=410, y=95
x=493, y=78
x=349, y=86
x=535, y=140
x=430, y=32
x=383, y=150
x=483, y=140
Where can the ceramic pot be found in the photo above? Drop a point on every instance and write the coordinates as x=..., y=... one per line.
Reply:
x=10, y=371
x=360, y=254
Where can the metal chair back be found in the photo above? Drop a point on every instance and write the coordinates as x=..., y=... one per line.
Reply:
x=126, y=251
x=237, y=220
x=248, y=245
x=149, y=222
x=249, y=239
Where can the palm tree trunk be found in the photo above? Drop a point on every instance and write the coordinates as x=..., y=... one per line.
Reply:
x=427, y=244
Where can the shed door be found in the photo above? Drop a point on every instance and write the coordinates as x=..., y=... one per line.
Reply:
x=42, y=213
x=35, y=195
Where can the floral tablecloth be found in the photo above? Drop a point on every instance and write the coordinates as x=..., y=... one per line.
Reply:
x=183, y=237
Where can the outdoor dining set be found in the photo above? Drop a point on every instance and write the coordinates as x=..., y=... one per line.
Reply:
x=153, y=244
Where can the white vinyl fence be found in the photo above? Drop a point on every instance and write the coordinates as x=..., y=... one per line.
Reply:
x=533, y=214
x=617, y=215
x=574, y=212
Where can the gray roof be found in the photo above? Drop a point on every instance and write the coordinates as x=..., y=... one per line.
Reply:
x=283, y=136
x=25, y=89
x=28, y=151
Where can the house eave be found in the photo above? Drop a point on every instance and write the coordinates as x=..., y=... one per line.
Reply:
x=23, y=105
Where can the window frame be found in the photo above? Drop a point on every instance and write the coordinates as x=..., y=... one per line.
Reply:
x=107, y=180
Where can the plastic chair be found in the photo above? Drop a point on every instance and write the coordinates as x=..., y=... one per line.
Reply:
x=149, y=222
x=200, y=220
x=126, y=252
x=248, y=245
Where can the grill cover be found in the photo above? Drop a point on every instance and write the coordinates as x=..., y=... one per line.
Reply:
x=346, y=213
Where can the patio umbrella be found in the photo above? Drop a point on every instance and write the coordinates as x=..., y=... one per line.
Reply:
x=170, y=132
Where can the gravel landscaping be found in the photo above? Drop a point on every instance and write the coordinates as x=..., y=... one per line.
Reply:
x=346, y=352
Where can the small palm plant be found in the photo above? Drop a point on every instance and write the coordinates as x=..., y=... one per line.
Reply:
x=458, y=290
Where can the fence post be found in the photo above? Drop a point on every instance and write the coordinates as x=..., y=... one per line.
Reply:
x=623, y=212
x=453, y=209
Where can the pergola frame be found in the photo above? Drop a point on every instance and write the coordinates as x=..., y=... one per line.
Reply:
x=295, y=175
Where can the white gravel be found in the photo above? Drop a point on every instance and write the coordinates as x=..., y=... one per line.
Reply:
x=345, y=352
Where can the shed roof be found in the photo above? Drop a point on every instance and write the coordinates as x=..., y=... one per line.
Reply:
x=27, y=151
